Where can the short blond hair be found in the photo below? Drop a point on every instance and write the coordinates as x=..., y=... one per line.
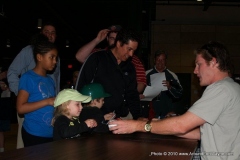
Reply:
x=60, y=110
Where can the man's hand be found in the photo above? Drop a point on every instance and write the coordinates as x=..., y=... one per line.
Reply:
x=123, y=126
x=102, y=35
x=141, y=96
x=167, y=84
x=170, y=114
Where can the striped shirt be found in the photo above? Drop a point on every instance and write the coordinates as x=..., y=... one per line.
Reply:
x=140, y=71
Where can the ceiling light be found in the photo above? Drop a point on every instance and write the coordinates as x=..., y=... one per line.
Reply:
x=39, y=26
x=8, y=45
x=67, y=43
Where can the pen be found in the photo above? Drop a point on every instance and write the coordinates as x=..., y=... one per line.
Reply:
x=112, y=117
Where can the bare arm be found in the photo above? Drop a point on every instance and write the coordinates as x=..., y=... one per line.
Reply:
x=86, y=50
x=23, y=106
x=185, y=126
x=141, y=87
x=193, y=134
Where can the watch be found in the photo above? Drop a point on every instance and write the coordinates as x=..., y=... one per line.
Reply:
x=148, y=126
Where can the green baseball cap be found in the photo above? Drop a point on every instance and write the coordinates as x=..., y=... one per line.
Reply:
x=95, y=90
x=70, y=94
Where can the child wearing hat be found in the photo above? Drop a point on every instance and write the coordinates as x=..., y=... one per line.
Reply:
x=93, y=108
x=67, y=109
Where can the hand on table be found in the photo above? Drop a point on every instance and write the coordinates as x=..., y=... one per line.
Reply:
x=170, y=114
x=123, y=126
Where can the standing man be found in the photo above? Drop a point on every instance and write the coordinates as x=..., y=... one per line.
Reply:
x=163, y=103
x=110, y=35
x=213, y=119
x=114, y=70
x=23, y=62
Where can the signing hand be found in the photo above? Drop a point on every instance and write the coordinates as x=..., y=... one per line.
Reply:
x=108, y=116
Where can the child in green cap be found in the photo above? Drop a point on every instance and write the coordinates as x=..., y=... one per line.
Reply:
x=93, y=108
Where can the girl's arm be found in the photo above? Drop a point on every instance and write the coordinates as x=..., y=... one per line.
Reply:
x=23, y=106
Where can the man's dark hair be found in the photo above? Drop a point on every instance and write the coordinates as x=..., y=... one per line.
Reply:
x=125, y=35
x=216, y=50
x=159, y=52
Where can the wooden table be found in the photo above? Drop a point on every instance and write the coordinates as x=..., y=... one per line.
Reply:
x=137, y=146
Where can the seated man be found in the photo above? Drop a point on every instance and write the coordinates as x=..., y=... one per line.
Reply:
x=213, y=119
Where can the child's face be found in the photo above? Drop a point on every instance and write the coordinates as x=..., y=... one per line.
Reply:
x=75, y=108
x=49, y=59
x=98, y=103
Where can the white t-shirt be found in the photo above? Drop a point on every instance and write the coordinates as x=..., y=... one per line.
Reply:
x=219, y=106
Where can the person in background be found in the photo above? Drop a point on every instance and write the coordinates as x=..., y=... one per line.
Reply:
x=163, y=103
x=213, y=119
x=113, y=69
x=23, y=62
x=92, y=109
x=67, y=110
x=5, y=106
x=37, y=93
x=110, y=35
x=73, y=82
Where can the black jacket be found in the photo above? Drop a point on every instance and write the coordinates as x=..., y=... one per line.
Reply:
x=117, y=80
x=94, y=113
x=64, y=128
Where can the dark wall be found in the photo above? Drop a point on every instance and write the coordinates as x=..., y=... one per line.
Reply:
x=184, y=103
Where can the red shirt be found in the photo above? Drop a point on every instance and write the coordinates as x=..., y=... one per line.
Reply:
x=140, y=71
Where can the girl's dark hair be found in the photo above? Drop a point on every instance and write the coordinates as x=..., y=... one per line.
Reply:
x=216, y=50
x=41, y=45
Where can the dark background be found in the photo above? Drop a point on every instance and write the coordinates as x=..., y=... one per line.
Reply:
x=78, y=22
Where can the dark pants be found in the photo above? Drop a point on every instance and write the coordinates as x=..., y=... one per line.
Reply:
x=30, y=140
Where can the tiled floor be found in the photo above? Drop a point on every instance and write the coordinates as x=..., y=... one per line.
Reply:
x=11, y=138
